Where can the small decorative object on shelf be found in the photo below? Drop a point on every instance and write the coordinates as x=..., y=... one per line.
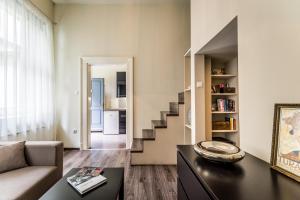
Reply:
x=229, y=90
x=214, y=107
x=214, y=89
x=219, y=151
x=222, y=88
x=286, y=140
x=218, y=71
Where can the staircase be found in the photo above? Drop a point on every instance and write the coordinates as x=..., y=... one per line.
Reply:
x=158, y=145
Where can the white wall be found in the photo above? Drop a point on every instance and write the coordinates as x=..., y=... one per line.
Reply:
x=156, y=35
x=269, y=41
x=109, y=73
x=269, y=48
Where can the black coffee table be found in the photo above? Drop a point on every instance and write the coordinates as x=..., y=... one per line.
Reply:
x=111, y=190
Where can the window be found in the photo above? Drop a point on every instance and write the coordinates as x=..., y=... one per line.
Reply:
x=26, y=70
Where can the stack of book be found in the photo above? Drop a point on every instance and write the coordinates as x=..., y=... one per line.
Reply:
x=228, y=124
x=220, y=125
x=87, y=179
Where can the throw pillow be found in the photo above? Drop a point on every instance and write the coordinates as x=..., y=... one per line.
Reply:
x=12, y=157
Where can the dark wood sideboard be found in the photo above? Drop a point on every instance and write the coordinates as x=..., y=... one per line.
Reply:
x=248, y=179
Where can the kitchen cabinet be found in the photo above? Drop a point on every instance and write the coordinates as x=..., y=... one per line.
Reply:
x=122, y=121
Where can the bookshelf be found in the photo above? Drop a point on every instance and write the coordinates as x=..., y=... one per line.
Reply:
x=221, y=98
x=187, y=98
x=216, y=96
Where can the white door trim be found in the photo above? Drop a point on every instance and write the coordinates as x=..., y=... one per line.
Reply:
x=86, y=62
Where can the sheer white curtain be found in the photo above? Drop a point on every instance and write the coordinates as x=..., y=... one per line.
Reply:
x=26, y=72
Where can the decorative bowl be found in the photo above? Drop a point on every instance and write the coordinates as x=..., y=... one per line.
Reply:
x=219, y=151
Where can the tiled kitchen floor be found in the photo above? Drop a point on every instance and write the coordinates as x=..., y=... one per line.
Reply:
x=102, y=141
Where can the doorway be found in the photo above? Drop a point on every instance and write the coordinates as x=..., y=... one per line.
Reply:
x=93, y=104
x=108, y=106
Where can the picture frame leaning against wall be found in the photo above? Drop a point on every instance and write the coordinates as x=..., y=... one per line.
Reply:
x=285, y=156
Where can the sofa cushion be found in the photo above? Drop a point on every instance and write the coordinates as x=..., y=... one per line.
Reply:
x=27, y=183
x=12, y=156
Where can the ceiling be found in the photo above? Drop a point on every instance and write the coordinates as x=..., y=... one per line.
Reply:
x=225, y=44
x=113, y=1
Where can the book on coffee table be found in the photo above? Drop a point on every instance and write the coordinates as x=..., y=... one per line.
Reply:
x=87, y=179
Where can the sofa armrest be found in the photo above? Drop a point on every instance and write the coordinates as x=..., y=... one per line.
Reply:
x=44, y=153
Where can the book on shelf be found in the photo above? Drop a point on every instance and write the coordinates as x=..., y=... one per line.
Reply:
x=232, y=122
x=86, y=179
x=226, y=105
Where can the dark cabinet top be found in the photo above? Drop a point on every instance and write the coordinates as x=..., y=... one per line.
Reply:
x=248, y=179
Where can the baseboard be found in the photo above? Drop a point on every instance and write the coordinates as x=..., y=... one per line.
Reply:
x=66, y=148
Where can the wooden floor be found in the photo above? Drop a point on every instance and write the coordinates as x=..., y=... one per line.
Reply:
x=141, y=182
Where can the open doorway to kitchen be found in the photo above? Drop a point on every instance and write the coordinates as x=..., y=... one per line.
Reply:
x=107, y=103
x=108, y=106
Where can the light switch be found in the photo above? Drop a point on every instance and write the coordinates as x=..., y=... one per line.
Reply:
x=199, y=84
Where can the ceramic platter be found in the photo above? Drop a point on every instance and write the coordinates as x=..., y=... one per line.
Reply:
x=219, y=151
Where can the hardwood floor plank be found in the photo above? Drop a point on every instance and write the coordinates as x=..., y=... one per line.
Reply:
x=141, y=182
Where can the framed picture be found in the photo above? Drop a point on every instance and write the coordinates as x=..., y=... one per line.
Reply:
x=285, y=156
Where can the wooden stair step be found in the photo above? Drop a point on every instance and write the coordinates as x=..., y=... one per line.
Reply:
x=169, y=113
x=174, y=107
x=159, y=124
x=181, y=98
x=148, y=134
x=137, y=145
x=165, y=114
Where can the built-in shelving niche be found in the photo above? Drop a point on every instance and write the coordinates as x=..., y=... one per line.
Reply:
x=217, y=103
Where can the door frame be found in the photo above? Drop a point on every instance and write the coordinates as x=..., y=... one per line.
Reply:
x=85, y=75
